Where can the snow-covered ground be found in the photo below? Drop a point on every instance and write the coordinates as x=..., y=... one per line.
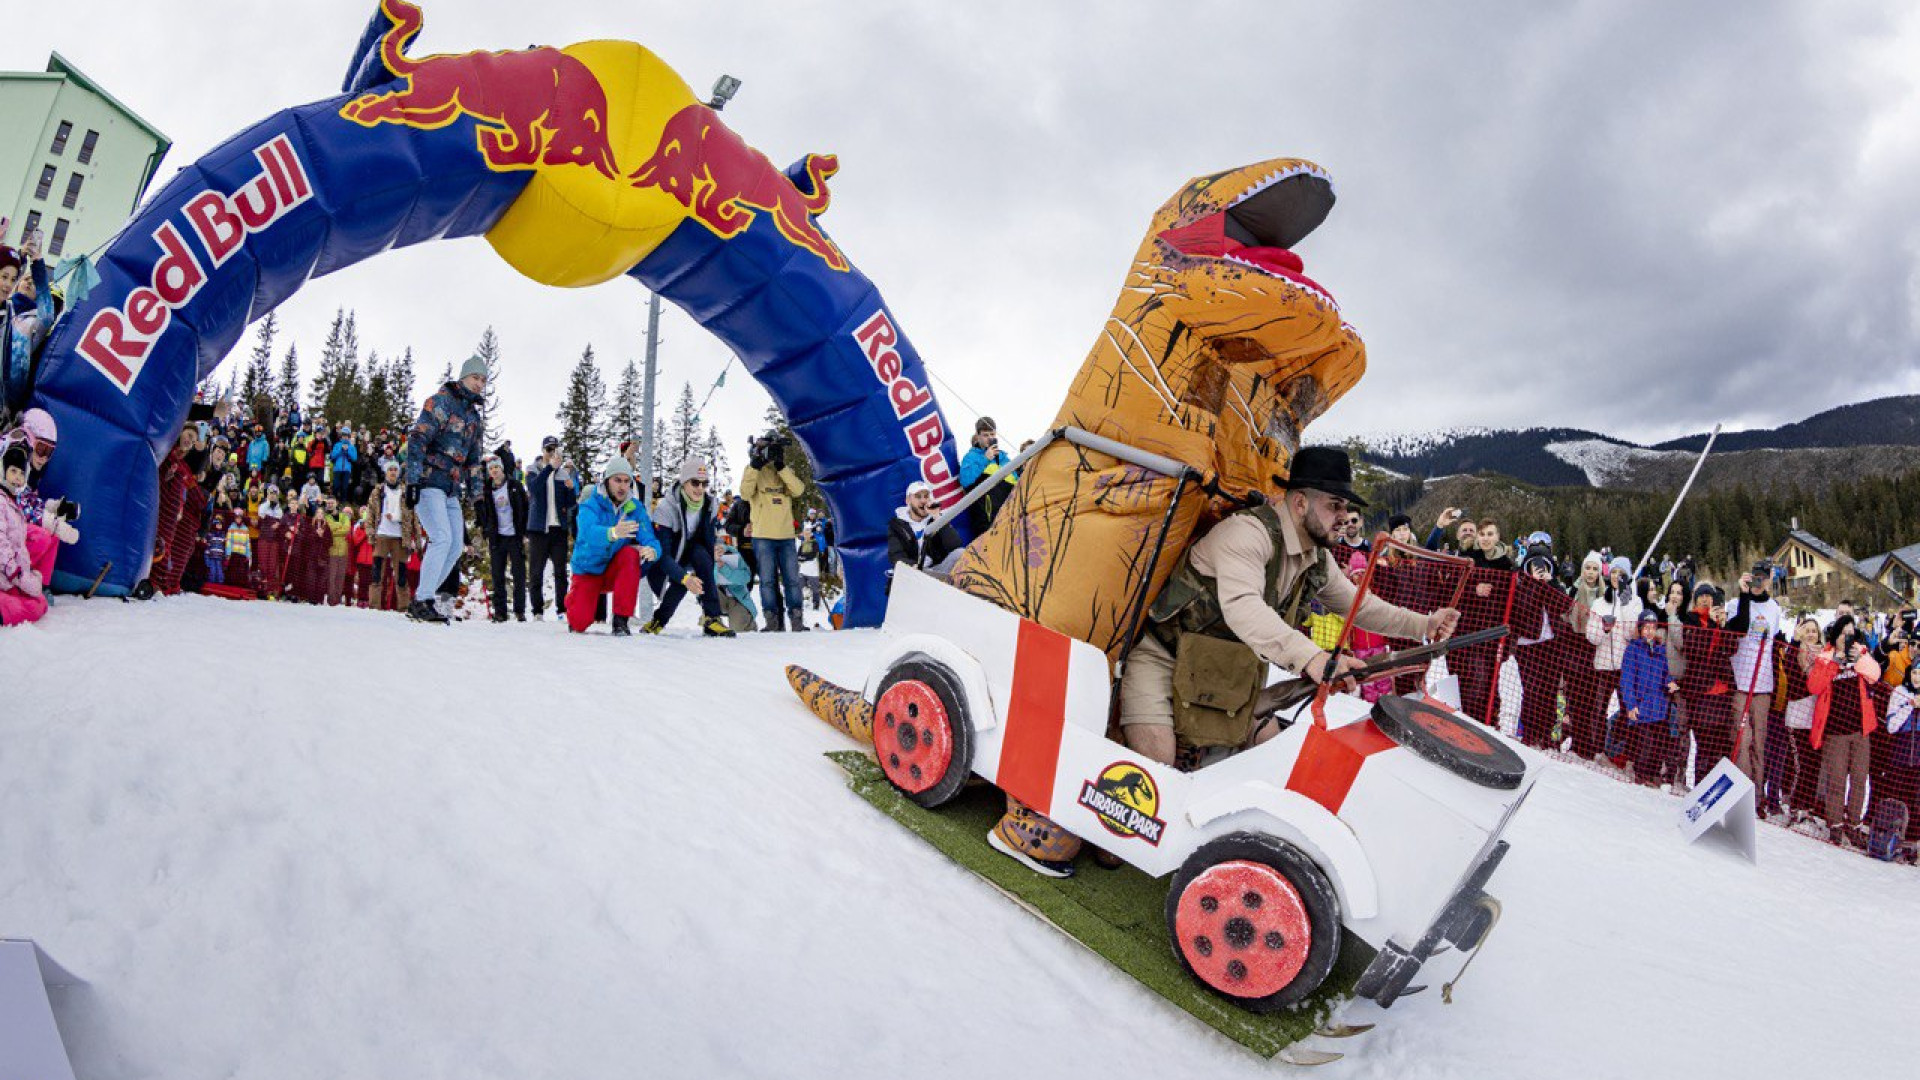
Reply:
x=1606, y=463
x=287, y=842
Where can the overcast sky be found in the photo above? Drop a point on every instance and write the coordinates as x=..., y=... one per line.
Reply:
x=1636, y=217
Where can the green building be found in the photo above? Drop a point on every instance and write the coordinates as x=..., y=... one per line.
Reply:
x=74, y=162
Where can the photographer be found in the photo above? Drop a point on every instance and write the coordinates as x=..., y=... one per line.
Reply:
x=1848, y=699
x=769, y=489
x=983, y=459
x=1757, y=617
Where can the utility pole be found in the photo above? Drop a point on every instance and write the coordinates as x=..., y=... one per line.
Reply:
x=646, y=393
x=723, y=90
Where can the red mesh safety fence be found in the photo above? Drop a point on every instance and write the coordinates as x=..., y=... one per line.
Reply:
x=1828, y=730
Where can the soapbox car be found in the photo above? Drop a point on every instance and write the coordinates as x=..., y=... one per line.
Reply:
x=1382, y=821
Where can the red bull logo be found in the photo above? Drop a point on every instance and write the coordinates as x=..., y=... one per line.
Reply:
x=534, y=107
x=725, y=182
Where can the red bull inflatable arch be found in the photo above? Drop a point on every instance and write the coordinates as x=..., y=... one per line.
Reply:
x=578, y=165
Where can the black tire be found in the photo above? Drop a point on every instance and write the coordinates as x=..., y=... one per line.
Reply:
x=1315, y=894
x=1461, y=746
x=921, y=728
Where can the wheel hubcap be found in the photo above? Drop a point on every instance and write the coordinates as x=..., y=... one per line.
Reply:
x=1243, y=928
x=911, y=735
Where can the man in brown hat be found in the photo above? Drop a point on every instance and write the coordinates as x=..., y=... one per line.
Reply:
x=1237, y=601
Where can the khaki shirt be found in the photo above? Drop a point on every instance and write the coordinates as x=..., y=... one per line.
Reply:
x=1235, y=555
x=770, y=492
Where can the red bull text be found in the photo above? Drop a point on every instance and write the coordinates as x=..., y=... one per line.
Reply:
x=117, y=339
x=877, y=338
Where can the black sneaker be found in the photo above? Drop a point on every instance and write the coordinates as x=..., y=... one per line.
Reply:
x=620, y=628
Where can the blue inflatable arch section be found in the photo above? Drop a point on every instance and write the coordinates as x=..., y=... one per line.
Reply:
x=304, y=193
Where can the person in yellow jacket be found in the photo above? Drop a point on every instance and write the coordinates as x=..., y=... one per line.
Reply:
x=339, y=523
x=770, y=488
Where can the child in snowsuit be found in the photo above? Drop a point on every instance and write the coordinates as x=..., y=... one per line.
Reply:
x=1644, y=689
x=239, y=569
x=26, y=550
x=216, y=547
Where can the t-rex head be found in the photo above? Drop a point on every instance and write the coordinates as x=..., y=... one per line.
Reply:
x=1221, y=330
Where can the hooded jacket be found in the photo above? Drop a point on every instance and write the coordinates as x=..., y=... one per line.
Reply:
x=594, y=545
x=443, y=446
x=674, y=529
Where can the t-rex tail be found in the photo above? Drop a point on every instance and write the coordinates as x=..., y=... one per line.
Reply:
x=837, y=705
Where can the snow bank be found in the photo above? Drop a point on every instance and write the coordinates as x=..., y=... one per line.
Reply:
x=1607, y=463
x=287, y=842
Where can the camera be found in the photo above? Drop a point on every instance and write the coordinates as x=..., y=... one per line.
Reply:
x=768, y=449
x=69, y=511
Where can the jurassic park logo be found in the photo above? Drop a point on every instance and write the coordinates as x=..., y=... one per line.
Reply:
x=1125, y=799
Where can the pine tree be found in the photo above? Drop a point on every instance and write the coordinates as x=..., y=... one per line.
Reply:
x=683, y=432
x=286, y=389
x=331, y=352
x=582, y=413
x=715, y=452
x=401, y=405
x=374, y=405
x=628, y=407
x=489, y=351
x=256, y=382
x=659, y=447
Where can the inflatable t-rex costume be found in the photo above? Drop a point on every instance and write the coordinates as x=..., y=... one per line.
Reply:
x=1218, y=352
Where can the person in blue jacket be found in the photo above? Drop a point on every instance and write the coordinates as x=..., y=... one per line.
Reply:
x=1644, y=689
x=613, y=539
x=257, y=450
x=342, y=457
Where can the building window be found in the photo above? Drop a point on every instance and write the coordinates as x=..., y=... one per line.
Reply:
x=46, y=182
x=33, y=222
x=60, y=137
x=59, y=237
x=73, y=190
x=86, y=147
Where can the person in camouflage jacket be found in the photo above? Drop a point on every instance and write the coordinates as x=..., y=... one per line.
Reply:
x=442, y=472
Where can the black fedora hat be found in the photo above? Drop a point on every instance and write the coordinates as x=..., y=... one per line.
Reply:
x=1324, y=468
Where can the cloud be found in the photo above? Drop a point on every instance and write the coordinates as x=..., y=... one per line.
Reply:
x=1634, y=217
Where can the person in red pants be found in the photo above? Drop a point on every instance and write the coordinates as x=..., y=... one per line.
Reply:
x=614, y=539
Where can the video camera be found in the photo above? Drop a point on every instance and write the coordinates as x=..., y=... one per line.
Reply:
x=769, y=449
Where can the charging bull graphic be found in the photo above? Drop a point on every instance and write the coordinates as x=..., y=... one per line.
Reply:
x=537, y=106
x=723, y=181
x=578, y=165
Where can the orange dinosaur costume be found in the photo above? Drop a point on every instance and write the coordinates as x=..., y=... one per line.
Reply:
x=1218, y=352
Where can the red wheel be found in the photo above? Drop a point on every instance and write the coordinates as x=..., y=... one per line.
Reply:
x=921, y=735
x=1254, y=920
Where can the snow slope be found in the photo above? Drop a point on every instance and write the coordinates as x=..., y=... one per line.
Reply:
x=1607, y=463
x=287, y=842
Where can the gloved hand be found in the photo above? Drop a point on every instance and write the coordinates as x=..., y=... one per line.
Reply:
x=413, y=494
x=777, y=455
x=66, y=533
x=30, y=583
